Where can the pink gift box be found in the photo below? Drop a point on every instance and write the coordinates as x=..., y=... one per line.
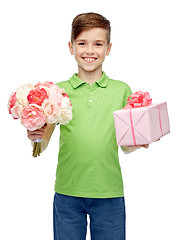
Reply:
x=142, y=125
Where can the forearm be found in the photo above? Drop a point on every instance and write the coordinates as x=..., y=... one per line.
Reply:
x=44, y=144
x=47, y=135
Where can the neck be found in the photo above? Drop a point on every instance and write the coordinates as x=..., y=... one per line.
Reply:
x=89, y=77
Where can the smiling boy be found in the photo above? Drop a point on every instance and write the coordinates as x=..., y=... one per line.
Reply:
x=88, y=176
x=90, y=49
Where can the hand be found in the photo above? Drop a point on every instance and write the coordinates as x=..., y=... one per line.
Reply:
x=145, y=146
x=37, y=134
x=129, y=149
x=138, y=146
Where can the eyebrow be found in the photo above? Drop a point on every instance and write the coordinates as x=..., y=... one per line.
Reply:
x=100, y=41
x=84, y=40
x=78, y=40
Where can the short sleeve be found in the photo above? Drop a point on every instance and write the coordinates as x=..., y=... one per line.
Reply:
x=128, y=92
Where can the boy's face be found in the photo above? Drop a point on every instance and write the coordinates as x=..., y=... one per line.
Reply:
x=90, y=49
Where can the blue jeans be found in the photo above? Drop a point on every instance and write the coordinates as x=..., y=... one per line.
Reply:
x=107, y=218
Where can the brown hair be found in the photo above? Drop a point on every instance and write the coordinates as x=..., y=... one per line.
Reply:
x=87, y=21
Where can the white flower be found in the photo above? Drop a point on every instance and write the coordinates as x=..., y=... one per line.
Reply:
x=66, y=111
x=52, y=111
x=22, y=93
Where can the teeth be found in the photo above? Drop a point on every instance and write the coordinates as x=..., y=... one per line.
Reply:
x=90, y=59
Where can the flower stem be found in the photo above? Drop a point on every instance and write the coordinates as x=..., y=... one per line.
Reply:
x=36, y=149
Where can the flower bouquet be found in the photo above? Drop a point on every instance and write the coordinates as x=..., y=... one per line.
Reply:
x=36, y=105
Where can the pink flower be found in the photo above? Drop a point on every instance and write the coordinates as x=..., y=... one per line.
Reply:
x=45, y=84
x=12, y=101
x=55, y=94
x=33, y=117
x=65, y=95
x=16, y=111
x=14, y=107
x=37, y=96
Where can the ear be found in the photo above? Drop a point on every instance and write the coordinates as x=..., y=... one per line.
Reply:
x=70, y=45
x=108, y=49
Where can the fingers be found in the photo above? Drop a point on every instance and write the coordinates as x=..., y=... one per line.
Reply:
x=37, y=134
x=145, y=146
x=34, y=135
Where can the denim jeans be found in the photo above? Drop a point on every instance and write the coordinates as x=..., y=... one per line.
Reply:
x=107, y=218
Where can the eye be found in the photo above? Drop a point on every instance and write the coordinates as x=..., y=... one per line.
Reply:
x=99, y=44
x=81, y=43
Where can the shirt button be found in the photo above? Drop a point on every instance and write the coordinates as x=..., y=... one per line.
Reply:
x=90, y=100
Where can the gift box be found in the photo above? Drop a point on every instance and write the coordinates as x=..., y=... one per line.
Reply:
x=141, y=125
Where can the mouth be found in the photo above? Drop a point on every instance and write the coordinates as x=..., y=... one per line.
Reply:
x=89, y=59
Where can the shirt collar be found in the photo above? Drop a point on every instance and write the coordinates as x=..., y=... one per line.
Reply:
x=76, y=82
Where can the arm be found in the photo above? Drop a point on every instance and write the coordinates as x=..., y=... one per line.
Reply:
x=45, y=133
x=129, y=149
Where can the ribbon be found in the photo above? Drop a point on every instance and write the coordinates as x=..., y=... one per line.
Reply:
x=160, y=122
x=132, y=128
x=38, y=140
x=138, y=99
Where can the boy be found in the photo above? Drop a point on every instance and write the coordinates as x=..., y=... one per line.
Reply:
x=88, y=177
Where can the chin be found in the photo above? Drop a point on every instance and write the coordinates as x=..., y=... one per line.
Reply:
x=91, y=69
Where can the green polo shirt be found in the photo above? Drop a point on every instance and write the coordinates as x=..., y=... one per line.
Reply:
x=88, y=163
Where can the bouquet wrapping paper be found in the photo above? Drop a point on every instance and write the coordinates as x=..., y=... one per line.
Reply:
x=141, y=125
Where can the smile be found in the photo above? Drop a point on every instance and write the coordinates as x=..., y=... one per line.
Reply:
x=89, y=59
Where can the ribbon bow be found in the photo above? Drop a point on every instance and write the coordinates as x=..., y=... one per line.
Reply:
x=138, y=99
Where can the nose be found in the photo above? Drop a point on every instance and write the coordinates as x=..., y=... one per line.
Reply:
x=89, y=49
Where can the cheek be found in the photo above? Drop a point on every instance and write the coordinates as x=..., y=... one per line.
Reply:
x=77, y=51
x=102, y=53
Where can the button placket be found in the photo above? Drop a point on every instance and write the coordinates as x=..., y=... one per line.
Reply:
x=90, y=97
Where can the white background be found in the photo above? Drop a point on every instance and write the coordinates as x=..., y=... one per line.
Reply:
x=33, y=47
